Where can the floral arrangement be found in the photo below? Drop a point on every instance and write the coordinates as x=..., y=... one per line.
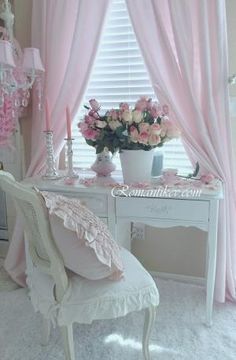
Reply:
x=142, y=128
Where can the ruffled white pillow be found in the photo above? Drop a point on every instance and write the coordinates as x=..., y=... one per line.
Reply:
x=84, y=241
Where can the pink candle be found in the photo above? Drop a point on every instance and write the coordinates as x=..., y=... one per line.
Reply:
x=47, y=116
x=68, y=123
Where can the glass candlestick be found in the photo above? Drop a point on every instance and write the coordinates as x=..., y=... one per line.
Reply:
x=70, y=173
x=51, y=172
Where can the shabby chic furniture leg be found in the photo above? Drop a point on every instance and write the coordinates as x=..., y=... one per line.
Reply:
x=46, y=329
x=68, y=342
x=123, y=233
x=150, y=315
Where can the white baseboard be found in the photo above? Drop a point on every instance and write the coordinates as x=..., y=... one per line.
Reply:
x=179, y=277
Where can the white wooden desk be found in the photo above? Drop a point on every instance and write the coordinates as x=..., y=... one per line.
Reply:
x=117, y=208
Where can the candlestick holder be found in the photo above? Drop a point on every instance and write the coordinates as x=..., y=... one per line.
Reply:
x=70, y=173
x=51, y=172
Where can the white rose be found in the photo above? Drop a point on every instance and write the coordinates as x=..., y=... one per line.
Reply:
x=101, y=124
x=127, y=116
x=137, y=116
x=114, y=124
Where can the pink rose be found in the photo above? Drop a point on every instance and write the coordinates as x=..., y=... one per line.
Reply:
x=91, y=134
x=143, y=137
x=144, y=127
x=94, y=114
x=89, y=120
x=170, y=129
x=170, y=176
x=132, y=128
x=141, y=105
x=154, y=139
x=124, y=106
x=207, y=178
x=82, y=126
x=155, y=110
x=113, y=114
x=156, y=129
x=94, y=104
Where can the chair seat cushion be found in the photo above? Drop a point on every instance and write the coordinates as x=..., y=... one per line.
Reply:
x=87, y=300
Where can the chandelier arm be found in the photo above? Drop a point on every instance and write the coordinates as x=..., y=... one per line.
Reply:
x=9, y=86
x=28, y=85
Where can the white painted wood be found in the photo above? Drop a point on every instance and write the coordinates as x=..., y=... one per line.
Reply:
x=68, y=342
x=123, y=233
x=46, y=329
x=95, y=202
x=162, y=209
x=150, y=316
x=59, y=186
x=163, y=223
x=111, y=216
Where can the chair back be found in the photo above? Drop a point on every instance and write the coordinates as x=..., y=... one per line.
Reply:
x=43, y=251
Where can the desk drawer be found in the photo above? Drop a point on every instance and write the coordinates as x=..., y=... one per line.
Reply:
x=192, y=210
x=97, y=203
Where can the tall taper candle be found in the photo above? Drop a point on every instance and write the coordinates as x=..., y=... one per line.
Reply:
x=47, y=116
x=68, y=122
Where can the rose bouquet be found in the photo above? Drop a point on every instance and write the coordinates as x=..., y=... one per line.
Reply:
x=143, y=128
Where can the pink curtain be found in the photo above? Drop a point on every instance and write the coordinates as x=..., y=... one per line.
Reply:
x=67, y=34
x=184, y=44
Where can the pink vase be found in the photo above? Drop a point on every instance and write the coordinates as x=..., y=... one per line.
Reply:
x=103, y=166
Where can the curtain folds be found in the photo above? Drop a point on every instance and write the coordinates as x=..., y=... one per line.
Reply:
x=67, y=34
x=185, y=50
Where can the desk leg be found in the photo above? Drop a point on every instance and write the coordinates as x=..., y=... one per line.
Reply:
x=123, y=233
x=212, y=252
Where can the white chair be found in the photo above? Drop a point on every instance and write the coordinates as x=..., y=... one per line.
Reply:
x=65, y=298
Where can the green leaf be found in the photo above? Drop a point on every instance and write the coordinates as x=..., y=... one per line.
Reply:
x=90, y=142
x=196, y=171
x=99, y=148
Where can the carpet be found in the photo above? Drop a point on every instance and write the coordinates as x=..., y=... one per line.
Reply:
x=179, y=332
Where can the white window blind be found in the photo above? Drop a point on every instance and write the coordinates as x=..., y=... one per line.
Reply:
x=120, y=75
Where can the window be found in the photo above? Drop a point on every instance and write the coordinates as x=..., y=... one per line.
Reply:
x=119, y=75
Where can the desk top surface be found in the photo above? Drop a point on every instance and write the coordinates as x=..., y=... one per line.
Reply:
x=88, y=183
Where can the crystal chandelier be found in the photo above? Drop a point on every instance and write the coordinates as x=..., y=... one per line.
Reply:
x=19, y=71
